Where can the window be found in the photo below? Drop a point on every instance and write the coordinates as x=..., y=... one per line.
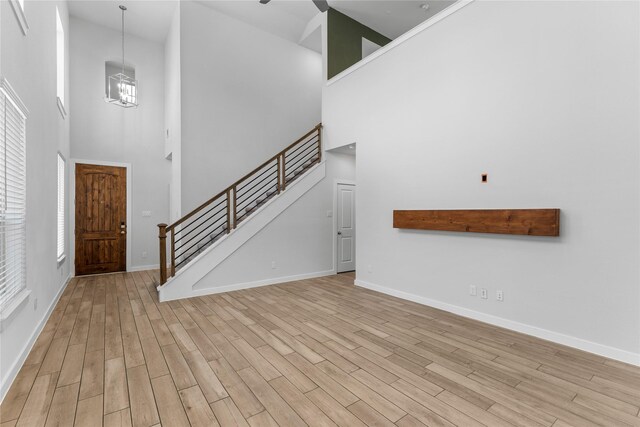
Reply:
x=12, y=197
x=60, y=62
x=61, y=173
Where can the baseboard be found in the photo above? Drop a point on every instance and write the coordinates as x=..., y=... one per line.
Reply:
x=259, y=283
x=13, y=372
x=144, y=267
x=578, y=343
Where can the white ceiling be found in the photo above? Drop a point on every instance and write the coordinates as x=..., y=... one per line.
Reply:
x=288, y=18
x=313, y=41
x=391, y=18
x=284, y=18
x=349, y=149
x=151, y=19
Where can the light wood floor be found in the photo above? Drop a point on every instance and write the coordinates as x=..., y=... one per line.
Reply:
x=317, y=352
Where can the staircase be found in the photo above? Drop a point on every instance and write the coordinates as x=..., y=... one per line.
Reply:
x=220, y=216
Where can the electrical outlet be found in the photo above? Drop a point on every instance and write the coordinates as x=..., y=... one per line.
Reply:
x=273, y=265
x=329, y=214
x=146, y=214
x=499, y=295
x=483, y=293
x=35, y=304
x=473, y=291
x=144, y=254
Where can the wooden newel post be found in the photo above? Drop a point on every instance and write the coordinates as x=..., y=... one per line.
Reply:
x=162, y=235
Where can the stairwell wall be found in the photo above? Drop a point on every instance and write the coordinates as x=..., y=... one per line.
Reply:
x=246, y=94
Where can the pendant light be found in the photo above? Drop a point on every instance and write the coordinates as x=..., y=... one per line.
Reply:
x=122, y=89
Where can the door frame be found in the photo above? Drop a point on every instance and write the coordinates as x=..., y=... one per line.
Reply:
x=72, y=207
x=336, y=182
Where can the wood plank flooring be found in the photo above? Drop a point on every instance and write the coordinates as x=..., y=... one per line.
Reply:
x=314, y=352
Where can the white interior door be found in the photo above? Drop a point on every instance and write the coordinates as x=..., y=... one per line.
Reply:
x=346, y=222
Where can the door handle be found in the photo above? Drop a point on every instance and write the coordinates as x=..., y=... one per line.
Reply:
x=339, y=233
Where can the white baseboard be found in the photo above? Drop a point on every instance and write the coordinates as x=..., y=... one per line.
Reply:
x=256, y=284
x=15, y=368
x=144, y=267
x=556, y=337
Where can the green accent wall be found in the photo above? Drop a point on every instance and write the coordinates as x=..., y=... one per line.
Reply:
x=344, y=41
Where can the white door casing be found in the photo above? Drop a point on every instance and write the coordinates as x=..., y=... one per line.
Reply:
x=346, y=228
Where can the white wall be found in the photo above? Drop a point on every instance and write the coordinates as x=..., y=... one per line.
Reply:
x=300, y=240
x=544, y=97
x=105, y=132
x=29, y=64
x=246, y=94
x=173, y=110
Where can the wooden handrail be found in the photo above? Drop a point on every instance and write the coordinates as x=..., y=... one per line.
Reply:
x=235, y=184
x=196, y=210
x=315, y=129
x=229, y=195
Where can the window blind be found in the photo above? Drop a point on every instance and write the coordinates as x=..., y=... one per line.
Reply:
x=12, y=200
x=61, y=171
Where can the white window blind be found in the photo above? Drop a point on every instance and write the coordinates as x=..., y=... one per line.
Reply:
x=12, y=200
x=61, y=172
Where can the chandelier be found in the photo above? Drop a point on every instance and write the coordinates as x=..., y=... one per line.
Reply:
x=122, y=89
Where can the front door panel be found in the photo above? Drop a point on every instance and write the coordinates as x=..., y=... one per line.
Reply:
x=101, y=213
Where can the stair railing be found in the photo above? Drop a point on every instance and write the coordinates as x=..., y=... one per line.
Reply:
x=222, y=213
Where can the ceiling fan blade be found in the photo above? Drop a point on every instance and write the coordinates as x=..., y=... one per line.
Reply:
x=322, y=5
x=264, y=1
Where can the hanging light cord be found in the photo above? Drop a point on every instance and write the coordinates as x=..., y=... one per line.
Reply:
x=123, y=9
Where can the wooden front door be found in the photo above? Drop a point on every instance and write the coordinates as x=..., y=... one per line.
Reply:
x=101, y=219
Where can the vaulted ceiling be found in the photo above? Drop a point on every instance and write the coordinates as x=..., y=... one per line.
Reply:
x=151, y=19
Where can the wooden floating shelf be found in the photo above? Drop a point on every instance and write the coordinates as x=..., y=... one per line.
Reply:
x=530, y=222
